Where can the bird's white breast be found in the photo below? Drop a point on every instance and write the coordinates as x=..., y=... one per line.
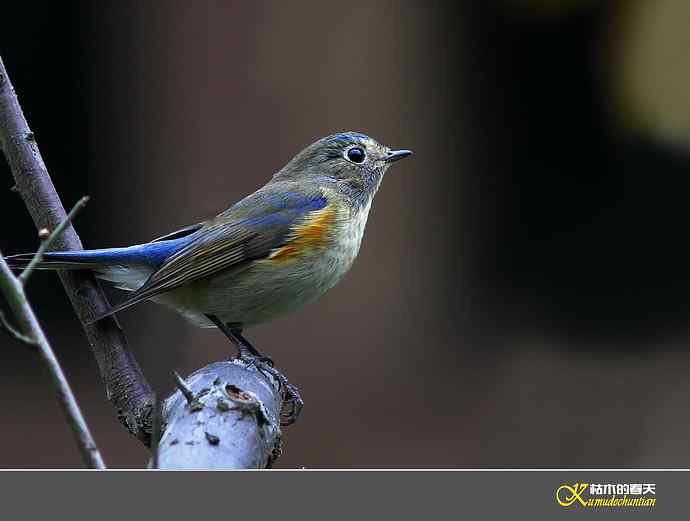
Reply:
x=348, y=241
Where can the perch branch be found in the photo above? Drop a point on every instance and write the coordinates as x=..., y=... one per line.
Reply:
x=126, y=386
x=224, y=416
x=13, y=290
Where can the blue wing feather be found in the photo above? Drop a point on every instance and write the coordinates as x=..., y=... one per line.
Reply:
x=250, y=230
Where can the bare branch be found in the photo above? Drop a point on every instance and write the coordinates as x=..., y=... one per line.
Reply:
x=126, y=386
x=233, y=420
x=10, y=329
x=16, y=298
x=48, y=241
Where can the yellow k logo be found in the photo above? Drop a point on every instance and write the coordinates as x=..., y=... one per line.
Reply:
x=567, y=495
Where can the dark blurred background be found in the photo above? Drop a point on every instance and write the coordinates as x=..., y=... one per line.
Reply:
x=522, y=297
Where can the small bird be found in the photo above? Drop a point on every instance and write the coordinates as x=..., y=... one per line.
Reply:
x=277, y=249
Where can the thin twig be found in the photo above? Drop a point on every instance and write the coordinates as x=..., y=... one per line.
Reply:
x=184, y=388
x=126, y=387
x=14, y=333
x=13, y=290
x=46, y=243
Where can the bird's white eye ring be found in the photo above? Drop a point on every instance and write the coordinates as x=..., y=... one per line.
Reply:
x=356, y=155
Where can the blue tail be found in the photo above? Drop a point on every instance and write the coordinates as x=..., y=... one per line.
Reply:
x=151, y=254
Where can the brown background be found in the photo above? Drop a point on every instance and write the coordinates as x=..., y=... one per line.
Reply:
x=521, y=297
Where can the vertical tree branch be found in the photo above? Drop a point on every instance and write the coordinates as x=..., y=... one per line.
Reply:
x=233, y=419
x=33, y=335
x=125, y=383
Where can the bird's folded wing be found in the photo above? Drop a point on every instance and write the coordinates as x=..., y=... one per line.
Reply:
x=234, y=240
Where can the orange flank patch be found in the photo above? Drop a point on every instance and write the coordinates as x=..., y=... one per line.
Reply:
x=311, y=235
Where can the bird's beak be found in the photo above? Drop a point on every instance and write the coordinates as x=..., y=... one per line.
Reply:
x=395, y=155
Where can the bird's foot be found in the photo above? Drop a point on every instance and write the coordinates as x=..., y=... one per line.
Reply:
x=254, y=358
x=292, y=400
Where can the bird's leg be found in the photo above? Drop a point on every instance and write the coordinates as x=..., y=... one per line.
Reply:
x=245, y=350
x=291, y=395
x=248, y=353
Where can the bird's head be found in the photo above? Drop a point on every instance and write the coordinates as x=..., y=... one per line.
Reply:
x=353, y=162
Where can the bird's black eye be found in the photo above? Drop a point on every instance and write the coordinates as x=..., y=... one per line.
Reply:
x=356, y=155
